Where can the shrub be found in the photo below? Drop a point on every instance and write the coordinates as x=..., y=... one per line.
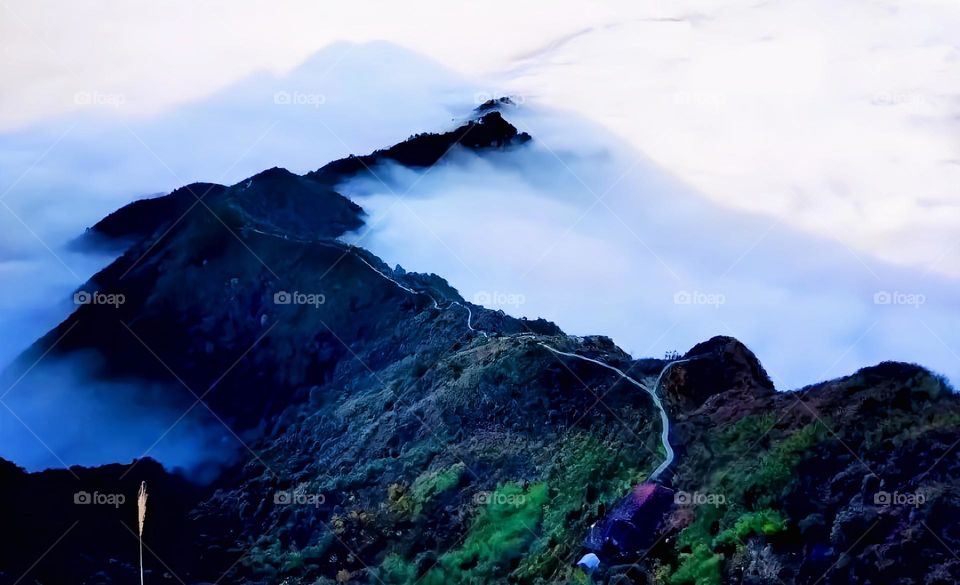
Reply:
x=396, y=570
x=700, y=567
x=497, y=538
x=433, y=483
x=587, y=473
x=750, y=490
x=760, y=523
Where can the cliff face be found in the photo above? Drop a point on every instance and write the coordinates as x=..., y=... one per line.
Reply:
x=394, y=433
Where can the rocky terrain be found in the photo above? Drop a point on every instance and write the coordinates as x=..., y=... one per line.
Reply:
x=394, y=433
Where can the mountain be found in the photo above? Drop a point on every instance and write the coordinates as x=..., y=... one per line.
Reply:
x=392, y=432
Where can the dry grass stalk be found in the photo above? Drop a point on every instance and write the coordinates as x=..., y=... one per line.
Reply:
x=141, y=516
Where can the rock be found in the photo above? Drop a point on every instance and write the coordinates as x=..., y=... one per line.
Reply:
x=716, y=366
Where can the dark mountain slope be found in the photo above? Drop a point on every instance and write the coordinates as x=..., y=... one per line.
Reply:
x=279, y=192
x=206, y=282
x=76, y=526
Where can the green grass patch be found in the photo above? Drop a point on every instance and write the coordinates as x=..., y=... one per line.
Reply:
x=433, y=483
x=586, y=474
x=409, y=502
x=760, y=523
x=751, y=486
x=498, y=538
x=699, y=567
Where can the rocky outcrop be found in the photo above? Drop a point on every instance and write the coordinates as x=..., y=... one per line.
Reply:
x=717, y=366
x=424, y=150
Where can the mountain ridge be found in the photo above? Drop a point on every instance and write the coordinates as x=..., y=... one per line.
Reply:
x=394, y=432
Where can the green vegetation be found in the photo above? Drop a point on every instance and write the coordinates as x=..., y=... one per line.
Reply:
x=498, y=537
x=410, y=502
x=268, y=558
x=434, y=483
x=396, y=570
x=750, y=485
x=702, y=567
x=905, y=426
x=586, y=474
x=746, y=431
x=775, y=473
x=760, y=523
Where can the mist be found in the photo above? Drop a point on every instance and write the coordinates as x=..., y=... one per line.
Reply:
x=57, y=415
x=654, y=264
x=578, y=228
x=68, y=172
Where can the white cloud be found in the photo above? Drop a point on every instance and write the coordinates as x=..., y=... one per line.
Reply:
x=653, y=264
x=840, y=118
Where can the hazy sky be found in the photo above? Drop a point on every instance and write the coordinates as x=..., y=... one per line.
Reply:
x=835, y=116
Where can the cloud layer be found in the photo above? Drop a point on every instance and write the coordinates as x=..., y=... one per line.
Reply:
x=697, y=179
x=836, y=117
x=578, y=228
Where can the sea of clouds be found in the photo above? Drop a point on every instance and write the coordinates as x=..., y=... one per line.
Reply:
x=697, y=169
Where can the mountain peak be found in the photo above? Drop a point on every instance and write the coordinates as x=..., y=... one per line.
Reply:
x=271, y=174
x=720, y=364
x=490, y=131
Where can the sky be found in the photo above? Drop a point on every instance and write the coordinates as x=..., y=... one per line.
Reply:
x=838, y=116
x=784, y=172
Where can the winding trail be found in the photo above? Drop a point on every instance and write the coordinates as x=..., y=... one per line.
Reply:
x=350, y=249
x=396, y=282
x=436, y=305
x=654, y=394
x=470, y=319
